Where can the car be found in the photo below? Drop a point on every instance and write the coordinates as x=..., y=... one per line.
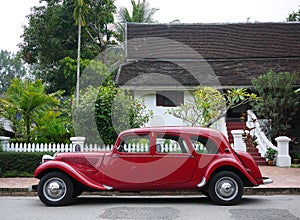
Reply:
x=152, y=158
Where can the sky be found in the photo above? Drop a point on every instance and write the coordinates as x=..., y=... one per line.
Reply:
x=13, y=13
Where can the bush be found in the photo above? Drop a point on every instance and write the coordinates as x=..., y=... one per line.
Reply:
x=278, y=100
x=20, y=164
x=105, y=111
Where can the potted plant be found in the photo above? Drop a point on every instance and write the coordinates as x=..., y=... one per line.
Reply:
x=295, y=159
x=270, y=155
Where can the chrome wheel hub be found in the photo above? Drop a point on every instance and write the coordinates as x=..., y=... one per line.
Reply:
x=226, y=188
x=54, y=189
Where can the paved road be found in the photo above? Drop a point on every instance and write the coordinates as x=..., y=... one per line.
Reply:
x=89, y=208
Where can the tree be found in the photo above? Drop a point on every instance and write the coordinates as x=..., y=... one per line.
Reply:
x=116, y=111
x=11, y=67
x=294, y=16
x=51, y=36
x=105, y=111
x=141, y=13
x=208, y=105
x=278, y=100
x=80, y=11
x=26, y=101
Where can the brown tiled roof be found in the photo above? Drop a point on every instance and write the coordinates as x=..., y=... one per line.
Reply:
x=215, y=41
x=209, y=54
x=213, y=73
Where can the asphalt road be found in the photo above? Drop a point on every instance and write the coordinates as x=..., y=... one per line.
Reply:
x=98, y=208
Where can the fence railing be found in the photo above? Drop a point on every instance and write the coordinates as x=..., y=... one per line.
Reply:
x=52, y=147
x=262, y=140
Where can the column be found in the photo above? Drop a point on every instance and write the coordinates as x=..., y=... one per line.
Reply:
x=283, y=157
x=238, y=143
x=77, y=143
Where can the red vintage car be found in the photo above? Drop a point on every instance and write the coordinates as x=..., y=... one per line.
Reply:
x=154, y=158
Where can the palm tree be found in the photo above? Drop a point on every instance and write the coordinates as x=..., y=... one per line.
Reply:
x=80, y=11
x=26, y=100
x=141, y=13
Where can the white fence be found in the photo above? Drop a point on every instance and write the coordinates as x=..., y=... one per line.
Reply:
x=44, y=147
x=137, y=148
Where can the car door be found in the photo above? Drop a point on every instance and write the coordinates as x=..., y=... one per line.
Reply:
x=130, y=165
x=173, y=162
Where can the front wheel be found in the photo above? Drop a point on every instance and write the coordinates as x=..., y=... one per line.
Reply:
x=225, y=188
x=55, y=189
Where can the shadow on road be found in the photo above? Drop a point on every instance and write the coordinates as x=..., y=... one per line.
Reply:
x=117, y=200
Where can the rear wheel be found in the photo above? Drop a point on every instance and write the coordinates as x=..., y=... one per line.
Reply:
x=55, y=189
x=225, y=188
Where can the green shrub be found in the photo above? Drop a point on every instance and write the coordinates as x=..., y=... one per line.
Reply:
x=278, y=100
x=20, y=164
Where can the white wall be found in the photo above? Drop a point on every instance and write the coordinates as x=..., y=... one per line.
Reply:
x=162, y=118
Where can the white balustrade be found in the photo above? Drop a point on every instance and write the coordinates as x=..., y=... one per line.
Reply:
x=262, y=140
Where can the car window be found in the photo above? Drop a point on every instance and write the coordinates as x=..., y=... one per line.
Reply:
x=204, y=145
x=135, y=144
x=170, y=144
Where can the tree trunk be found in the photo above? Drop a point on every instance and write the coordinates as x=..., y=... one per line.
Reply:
x=27, y=121
x=78, y=58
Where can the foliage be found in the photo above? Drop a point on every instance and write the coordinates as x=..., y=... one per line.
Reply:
x=16, y=164
x=84, y=115
x=141, y=13
x=25, y=102
x=51, y=36
x=80, y=12
x=116, y=110
x=270, y=153
x=208, y=105
x=278, y=100
x=67, y=68
x=10, y=67
x=51, y=128
x=294, y=16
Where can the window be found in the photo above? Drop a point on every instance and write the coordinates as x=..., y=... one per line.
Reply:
x=204, y=145
x=135, y=144
x=170, y=144
x=169, y=98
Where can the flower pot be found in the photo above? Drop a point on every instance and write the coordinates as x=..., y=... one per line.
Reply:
x=295, y=161
x=270, y=162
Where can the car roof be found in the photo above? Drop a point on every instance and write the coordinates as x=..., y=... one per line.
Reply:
x=174, y=129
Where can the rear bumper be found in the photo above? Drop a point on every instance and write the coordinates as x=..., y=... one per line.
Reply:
x=267, y=180
x=264, y=180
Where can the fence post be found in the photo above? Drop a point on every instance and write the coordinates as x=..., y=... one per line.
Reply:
x=77, y=143
x=283, y=158
x=238, y=143
x=4, y=143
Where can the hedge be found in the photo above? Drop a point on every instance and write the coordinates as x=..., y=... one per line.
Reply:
x=20, y=164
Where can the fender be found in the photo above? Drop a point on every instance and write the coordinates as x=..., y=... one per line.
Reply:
x=58, y=165
x=227, y=162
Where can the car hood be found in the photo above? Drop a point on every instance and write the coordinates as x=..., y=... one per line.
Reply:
x=82, y=159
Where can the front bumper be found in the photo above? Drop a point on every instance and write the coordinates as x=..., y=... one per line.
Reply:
x=33, y=188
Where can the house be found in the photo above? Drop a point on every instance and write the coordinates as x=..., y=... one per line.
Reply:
x=166, y=62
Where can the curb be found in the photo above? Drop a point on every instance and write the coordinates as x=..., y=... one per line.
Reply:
x=247, y=191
